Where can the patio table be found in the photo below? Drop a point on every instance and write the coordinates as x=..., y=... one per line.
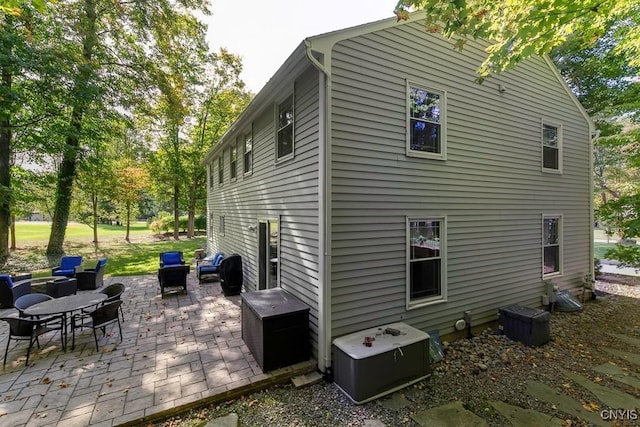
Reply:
x=65, y=305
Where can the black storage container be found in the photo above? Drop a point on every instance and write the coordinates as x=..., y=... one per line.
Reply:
x=527, y=325
x=231, y=277
x=275, y=327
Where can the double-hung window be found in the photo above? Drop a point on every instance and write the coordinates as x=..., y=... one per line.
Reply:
x=221, y=225
x=210, y=225
x=210, y=175
x=284, y=136
x=426, y=131
x=426, y=262
x=551, y=148
x=233, y=161
x=221, y=169
x=551, y=245
x=248, y=153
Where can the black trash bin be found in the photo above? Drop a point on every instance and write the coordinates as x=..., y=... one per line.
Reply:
x=231, y=274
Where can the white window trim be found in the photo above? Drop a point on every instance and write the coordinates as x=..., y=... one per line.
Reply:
x=211, y=232
x=293, y=127
x=443, y=122
x=423, y=302
x=220, y=169
x=232, y=178
x=560, y=244
x=221, y=225
x=558, y=126
x=244, y=151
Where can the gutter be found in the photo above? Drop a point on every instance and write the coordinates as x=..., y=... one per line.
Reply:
x=324, y=208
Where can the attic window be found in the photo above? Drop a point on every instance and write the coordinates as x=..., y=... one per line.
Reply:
x=284, y=146
x=426, y=136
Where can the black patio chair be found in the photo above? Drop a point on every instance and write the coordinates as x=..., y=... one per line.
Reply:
x=28, y=329
x=101, y=317
x=28, y=300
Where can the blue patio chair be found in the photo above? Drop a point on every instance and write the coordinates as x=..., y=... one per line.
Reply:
x=68, y=266
x=171, y=258
x=203, y=269
x=12, y=288
x=92, y=278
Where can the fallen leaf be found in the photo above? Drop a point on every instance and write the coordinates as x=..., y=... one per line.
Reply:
x=46, y=380
x=566, y=385
x=63, y=385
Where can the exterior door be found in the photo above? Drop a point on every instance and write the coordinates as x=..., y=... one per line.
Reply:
x=268, y=242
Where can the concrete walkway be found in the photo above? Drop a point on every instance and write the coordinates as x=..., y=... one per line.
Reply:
x=175, y=353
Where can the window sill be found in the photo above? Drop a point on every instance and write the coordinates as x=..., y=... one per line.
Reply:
x=423, y=155
x=283, y=159
x=552, y=171
x=551, y=275
x=411, y=305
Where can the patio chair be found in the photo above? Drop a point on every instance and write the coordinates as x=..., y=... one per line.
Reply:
x=28, y=300
x=173, y=276
x=204, y=268
x=12, y=288
x=92, y=278
x=171, y=258
x=68, y=266
x=102, y=317
x=27, y=329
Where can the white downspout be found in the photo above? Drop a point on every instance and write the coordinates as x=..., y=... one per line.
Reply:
x=324, y=213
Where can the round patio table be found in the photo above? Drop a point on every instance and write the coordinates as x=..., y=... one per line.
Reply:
x=65, y=305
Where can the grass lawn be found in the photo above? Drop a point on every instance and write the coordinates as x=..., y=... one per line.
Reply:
x=137, y=257
x=601, y=248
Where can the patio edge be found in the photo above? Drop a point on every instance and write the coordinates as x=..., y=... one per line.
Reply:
x=276, y=377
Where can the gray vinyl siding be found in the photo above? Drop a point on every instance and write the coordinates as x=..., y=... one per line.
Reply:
x=490, y=188
x=286, y=191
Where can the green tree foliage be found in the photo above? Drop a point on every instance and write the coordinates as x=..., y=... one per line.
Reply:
x=221, y=99
x=518, y=29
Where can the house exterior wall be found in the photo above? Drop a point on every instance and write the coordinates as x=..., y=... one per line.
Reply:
x=286, y=191
x=491, y=188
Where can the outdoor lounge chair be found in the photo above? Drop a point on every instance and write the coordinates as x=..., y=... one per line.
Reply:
x=173, y=271
x=12, y=288
x=209, y=266
x=171, y=258
x=92, y=278
x=68, y=266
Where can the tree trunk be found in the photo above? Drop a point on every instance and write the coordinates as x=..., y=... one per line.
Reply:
x=64, y=187
x=5, y=173
x=67, y=171
x=128, y=205
x=191, y=225
x=13, y=232
x=176, y=212
x=94, y=207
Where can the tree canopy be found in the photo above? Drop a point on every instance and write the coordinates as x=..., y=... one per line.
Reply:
x=518, y=29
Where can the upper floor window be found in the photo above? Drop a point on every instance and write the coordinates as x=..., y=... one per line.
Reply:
x=210, y=168
x=552, y=245
x=551, y=148
x=284, y=138
x=248, y=153
x=426, y=133
x=426, y=266
x=220, y=169
x=233, y=161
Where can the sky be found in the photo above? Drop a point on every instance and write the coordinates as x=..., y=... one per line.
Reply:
x=265, y=32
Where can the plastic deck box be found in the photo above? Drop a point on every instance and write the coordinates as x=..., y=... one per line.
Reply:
x=275, y=327
x=398, y=356
x=527, y=325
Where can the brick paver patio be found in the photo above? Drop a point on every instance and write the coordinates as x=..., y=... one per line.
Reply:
x=175, y=352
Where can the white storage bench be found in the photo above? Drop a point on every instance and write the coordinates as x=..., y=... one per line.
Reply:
x=397, y=357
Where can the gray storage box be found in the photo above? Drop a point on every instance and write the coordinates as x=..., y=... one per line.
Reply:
x=275, y=327
x=391, y=362
x=527, y=325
